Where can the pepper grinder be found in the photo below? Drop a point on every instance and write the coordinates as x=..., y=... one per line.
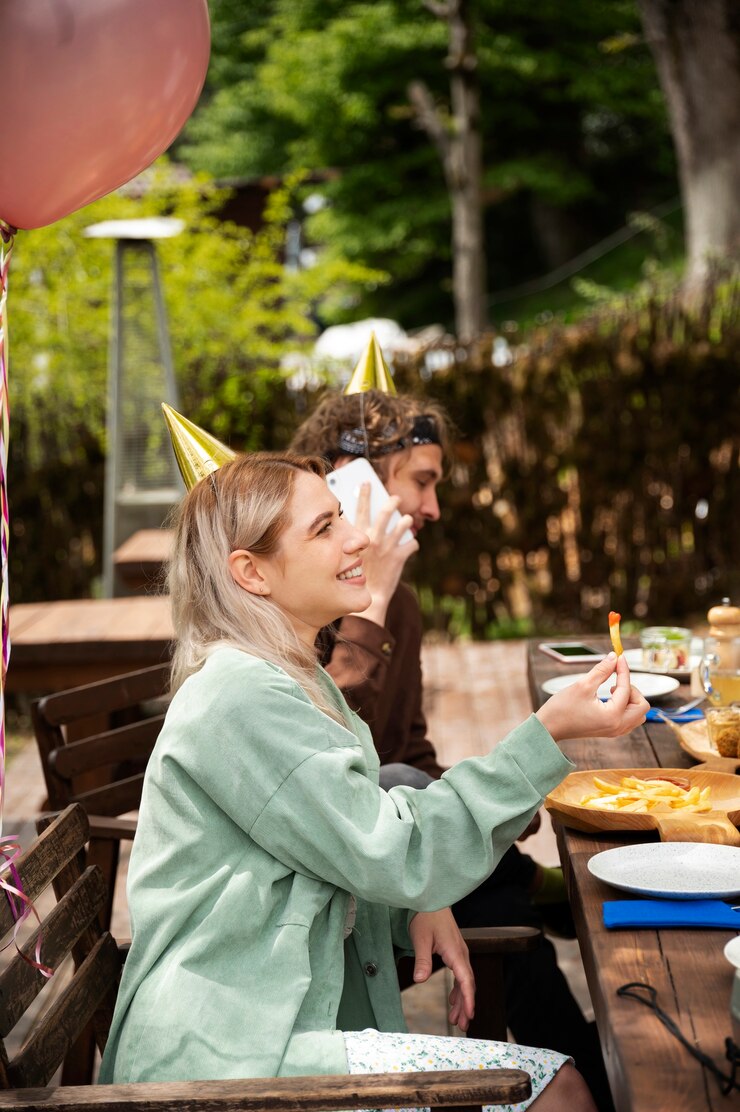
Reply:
x=724, y=627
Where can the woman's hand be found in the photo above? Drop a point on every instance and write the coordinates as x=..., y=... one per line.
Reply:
x=384, y=558
x=577, y=711
x=436, y=932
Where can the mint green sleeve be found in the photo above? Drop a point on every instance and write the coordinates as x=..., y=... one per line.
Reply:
x=421, y=850
x=297, y=783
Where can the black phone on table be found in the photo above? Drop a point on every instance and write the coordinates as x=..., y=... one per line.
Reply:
x=572, y=652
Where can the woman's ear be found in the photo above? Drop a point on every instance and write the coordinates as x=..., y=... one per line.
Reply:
x=246, y=574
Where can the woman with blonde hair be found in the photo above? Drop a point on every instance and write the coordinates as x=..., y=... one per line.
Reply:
x=271, y=878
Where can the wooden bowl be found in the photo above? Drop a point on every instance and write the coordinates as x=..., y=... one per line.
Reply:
x=694, y=740
x=718, y=825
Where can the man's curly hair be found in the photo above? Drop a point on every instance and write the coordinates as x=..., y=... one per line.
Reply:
x=386, y=420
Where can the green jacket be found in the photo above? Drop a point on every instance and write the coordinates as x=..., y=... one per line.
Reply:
x=260, y=815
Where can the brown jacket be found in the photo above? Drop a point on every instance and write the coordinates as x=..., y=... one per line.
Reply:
x=378, y=670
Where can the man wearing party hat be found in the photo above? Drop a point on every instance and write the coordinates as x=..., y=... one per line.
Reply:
x=376, y=662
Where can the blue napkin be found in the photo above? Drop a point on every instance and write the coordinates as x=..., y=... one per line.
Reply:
x=653, y=715
x=670, y=913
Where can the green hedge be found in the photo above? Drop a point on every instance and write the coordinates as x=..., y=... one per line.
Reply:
x=597, y=470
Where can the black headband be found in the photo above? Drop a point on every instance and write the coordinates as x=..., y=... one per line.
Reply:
x=423, y=431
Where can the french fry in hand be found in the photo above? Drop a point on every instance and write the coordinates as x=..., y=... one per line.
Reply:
x=614, y=620
x=642, y=796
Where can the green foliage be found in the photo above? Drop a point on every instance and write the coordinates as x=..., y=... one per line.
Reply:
x=599, y=470
x=234, y=311
x=653, y=256
x=571, y=117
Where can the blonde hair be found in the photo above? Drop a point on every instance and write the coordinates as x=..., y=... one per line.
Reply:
x=242, y=505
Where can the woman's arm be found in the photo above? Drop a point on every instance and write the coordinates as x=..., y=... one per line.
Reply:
x=297, y=783
x=422, y=850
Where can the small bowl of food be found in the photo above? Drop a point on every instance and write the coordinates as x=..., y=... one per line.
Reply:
x=665, y=648
x=723, y=729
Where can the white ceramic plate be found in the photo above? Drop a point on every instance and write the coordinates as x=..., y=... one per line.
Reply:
x=650, y=684
x=676, y=870
x=634, y=659
x=732, y=951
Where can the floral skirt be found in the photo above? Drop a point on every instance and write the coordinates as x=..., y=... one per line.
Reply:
x=377, y=1052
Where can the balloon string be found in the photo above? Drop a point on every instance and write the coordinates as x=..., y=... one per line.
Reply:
x=20, y=905
x=6, y=251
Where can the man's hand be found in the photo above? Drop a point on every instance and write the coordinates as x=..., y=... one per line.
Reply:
x=577, y=711
x=384, y=558
x=436, y=932
x=533, y=826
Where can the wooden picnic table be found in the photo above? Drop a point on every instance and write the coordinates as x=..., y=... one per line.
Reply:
x=141, y=560
x=649, y=1070
x=56, y=645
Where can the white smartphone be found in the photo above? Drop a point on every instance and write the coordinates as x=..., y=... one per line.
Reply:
x=345, y=483
x=572, y=652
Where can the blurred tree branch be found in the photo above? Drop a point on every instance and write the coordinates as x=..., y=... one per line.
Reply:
x=459, y=145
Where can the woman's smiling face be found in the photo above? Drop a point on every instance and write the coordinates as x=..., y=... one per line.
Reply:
x=315, y=576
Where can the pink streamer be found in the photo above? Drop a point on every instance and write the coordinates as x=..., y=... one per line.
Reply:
x=20, y=905
x=6, y=251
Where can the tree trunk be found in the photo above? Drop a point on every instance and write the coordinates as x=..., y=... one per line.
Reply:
x=696, y=46
x=459, y=144
x=464, y=172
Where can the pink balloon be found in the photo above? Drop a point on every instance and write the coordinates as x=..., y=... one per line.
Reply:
x=91, y=92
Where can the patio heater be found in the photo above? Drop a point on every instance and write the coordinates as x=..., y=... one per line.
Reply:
x=142, y=482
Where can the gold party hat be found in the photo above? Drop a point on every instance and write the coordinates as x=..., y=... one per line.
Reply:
x=196, y=451
x=371, y=372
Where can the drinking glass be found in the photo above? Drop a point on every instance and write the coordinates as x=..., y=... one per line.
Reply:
x=720, y=670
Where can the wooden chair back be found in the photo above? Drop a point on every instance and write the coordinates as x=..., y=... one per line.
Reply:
x=71, y=927
x=94, y=742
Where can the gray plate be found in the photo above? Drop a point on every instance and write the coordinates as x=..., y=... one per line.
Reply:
x=674, y=870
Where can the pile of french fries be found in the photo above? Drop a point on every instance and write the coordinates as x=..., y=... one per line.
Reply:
x=646, y=796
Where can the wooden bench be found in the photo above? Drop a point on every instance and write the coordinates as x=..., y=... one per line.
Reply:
x=140, y=562
x=72, y=927
x=57, y=645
